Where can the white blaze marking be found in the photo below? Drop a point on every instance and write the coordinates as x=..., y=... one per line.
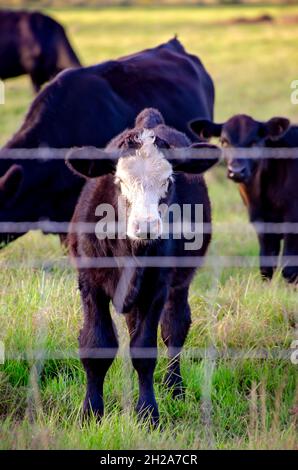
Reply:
x=143, y=180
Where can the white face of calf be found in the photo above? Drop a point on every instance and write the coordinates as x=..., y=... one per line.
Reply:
x=144, y=179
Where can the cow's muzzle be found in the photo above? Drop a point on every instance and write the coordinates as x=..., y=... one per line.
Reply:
x=238, y=174
x=146, y=229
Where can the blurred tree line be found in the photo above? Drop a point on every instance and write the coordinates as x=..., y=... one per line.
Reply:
x=92, y=3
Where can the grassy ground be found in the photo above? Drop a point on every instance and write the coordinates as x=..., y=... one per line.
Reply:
x=238, y=402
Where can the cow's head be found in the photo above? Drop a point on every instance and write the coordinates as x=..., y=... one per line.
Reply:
x=240, y=132
x=144, y=179
x=143, y=176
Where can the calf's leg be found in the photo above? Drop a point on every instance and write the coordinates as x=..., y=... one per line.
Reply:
x=35, y=82
x=269, y=247
x=175, y=323
x=290, y=272
x=98, y=346
x=143, y=324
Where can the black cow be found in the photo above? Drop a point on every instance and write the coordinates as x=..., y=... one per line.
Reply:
x=138, y=182
x=34, y=44
x=268, y=187
x=89, y=106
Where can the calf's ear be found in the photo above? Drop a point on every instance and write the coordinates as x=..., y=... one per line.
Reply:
x=199, y=158
x=276, y=127
x=205, y=129
x=90, y=162
x=10, y=183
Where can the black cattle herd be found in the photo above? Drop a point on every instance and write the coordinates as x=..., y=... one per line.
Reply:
x=34, y=44
x=139, y=108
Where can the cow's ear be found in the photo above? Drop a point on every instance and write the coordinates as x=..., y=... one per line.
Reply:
x=205, y=129
x=90, y=162
x=10, y=183
x=199, y=157
x=276, y=127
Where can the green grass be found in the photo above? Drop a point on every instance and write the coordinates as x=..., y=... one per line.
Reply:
x=251, y=401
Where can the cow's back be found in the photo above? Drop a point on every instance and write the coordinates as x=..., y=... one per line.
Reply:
x=165, y=77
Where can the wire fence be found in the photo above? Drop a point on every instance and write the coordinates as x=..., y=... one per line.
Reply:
x=48, y=226
x=210, y=354
x=46, y=154
x=117, y=262
x=189, y=353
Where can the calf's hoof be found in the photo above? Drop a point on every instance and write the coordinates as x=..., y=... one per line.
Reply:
x=92, y=409
x=175, y=384
x=266, y=273
x=148, y=412
x=290, y=274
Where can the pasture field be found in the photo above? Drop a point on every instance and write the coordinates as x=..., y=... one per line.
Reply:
x=242, y=388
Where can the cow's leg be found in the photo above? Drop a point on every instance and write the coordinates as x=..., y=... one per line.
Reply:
x=35, y=83
x=269, y=247
x=64, y=241
x=143, y=324
x=175, y=323
x=98, y=345
x=131, y=321
x=290, y=272
x=38, y=78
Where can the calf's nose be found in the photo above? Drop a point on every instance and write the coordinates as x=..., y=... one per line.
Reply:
x=147, y=228
x=237, y=174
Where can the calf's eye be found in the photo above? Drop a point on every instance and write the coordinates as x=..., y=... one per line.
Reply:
x=120, y=183
x=166, y=184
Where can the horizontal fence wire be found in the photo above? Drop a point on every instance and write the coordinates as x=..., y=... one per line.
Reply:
x=153, y=262
x=146, y=353
x=92, y=153
x=48, y=226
